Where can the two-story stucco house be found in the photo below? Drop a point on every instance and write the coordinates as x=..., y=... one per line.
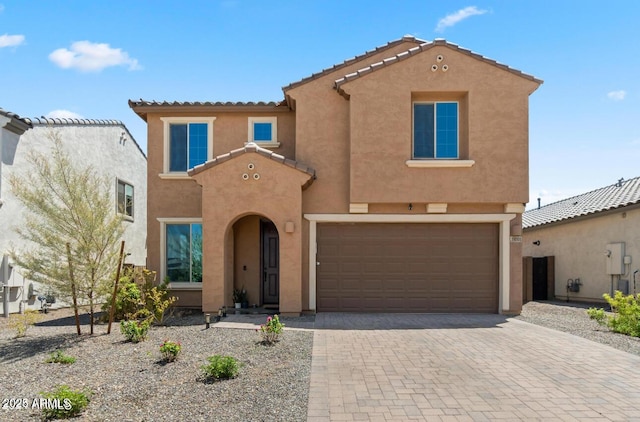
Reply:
x=392, y=182
x=105, y=144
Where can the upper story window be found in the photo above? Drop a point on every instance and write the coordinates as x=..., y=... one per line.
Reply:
x=124, y=198
x=263, y=131
x=188, y=142
x=435, y=130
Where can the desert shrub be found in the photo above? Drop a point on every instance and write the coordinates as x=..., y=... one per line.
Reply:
x=134, y=330
x=271, y=330
x=65, y=402
x=626, y=314
x=60, y=357
x=157, y=301
x=220, y=367
x=139, y=298
x=170, y=350
x=22, y=322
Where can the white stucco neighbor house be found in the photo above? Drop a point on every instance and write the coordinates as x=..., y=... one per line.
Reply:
x=584, y=246
x=105, y=144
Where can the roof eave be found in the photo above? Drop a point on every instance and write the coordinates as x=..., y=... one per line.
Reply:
x=424, y=47
x=348, y=62
x=142, y=108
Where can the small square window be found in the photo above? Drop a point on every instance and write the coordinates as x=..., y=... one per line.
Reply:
x=124, y=201
x=263, y=130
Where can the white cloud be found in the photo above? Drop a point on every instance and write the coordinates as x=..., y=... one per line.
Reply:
x=63, y=114
x=92, y=57
x=617, y=95
x=11, y=40
x=458, y=16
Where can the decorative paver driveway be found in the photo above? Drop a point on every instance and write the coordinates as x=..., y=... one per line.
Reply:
x=383, y=367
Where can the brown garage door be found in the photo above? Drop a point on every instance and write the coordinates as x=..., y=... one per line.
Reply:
x=384, y=267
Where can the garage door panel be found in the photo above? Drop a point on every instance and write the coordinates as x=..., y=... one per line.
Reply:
x=368, y=267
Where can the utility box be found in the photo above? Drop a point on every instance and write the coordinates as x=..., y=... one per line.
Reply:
x=6, y=269
x=614, y=254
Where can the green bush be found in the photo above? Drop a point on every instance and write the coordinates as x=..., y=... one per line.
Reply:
x=60, y=357
x=65, y=402
x=22, y=322
x=140, y=300
x=271, y=330
x=221, y=367
x=170, y=350
x=135, y=331
x=626, y=314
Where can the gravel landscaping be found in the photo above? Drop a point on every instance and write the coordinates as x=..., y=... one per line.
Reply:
x=130, y=382
x=572, y=318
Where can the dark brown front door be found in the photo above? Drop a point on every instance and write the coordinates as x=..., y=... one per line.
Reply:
x=270, y=263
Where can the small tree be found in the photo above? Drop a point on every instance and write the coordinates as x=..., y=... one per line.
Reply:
x=67, y=203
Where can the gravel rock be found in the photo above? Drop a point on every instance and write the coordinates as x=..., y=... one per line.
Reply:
x=572, y=318
x=130, y=382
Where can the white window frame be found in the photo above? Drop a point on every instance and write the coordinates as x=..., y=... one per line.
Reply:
x=163, y=252
x=435, y=131
x=166, y=174
x=133, y=196
x=274, y=131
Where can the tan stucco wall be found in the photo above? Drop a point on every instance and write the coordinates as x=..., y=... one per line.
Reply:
x=277, y=195
x=493, y=131
x=246, y=269
x=579, y=248
x=183, y=198
x=322, y=135
x=358, y=148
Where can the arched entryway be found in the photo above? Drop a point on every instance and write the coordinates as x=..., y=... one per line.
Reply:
x=256, y=260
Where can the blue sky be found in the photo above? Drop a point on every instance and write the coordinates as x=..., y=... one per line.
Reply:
x=87, y=58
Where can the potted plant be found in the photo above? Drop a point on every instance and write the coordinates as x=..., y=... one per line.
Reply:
x=239, y=297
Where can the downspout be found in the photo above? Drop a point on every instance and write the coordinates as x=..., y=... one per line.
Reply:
x=5, y=283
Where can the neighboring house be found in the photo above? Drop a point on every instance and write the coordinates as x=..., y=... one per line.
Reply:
x=390, y=182
x=582, y=247
x=105, y=144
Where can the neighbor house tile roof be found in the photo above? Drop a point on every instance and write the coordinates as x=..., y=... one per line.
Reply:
x=419, y=49
x=390, y=44
x=610, y=197
x=252, y=147
x=63, y=121
x=16, y=123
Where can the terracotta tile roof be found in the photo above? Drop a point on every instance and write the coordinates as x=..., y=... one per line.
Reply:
x=610, y=197
x=153, y=103
x=406, y=38
x=419, y=49
x=252, y=147
x=142, y=107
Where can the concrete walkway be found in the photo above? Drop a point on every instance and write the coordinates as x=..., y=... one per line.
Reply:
x=384, y=367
